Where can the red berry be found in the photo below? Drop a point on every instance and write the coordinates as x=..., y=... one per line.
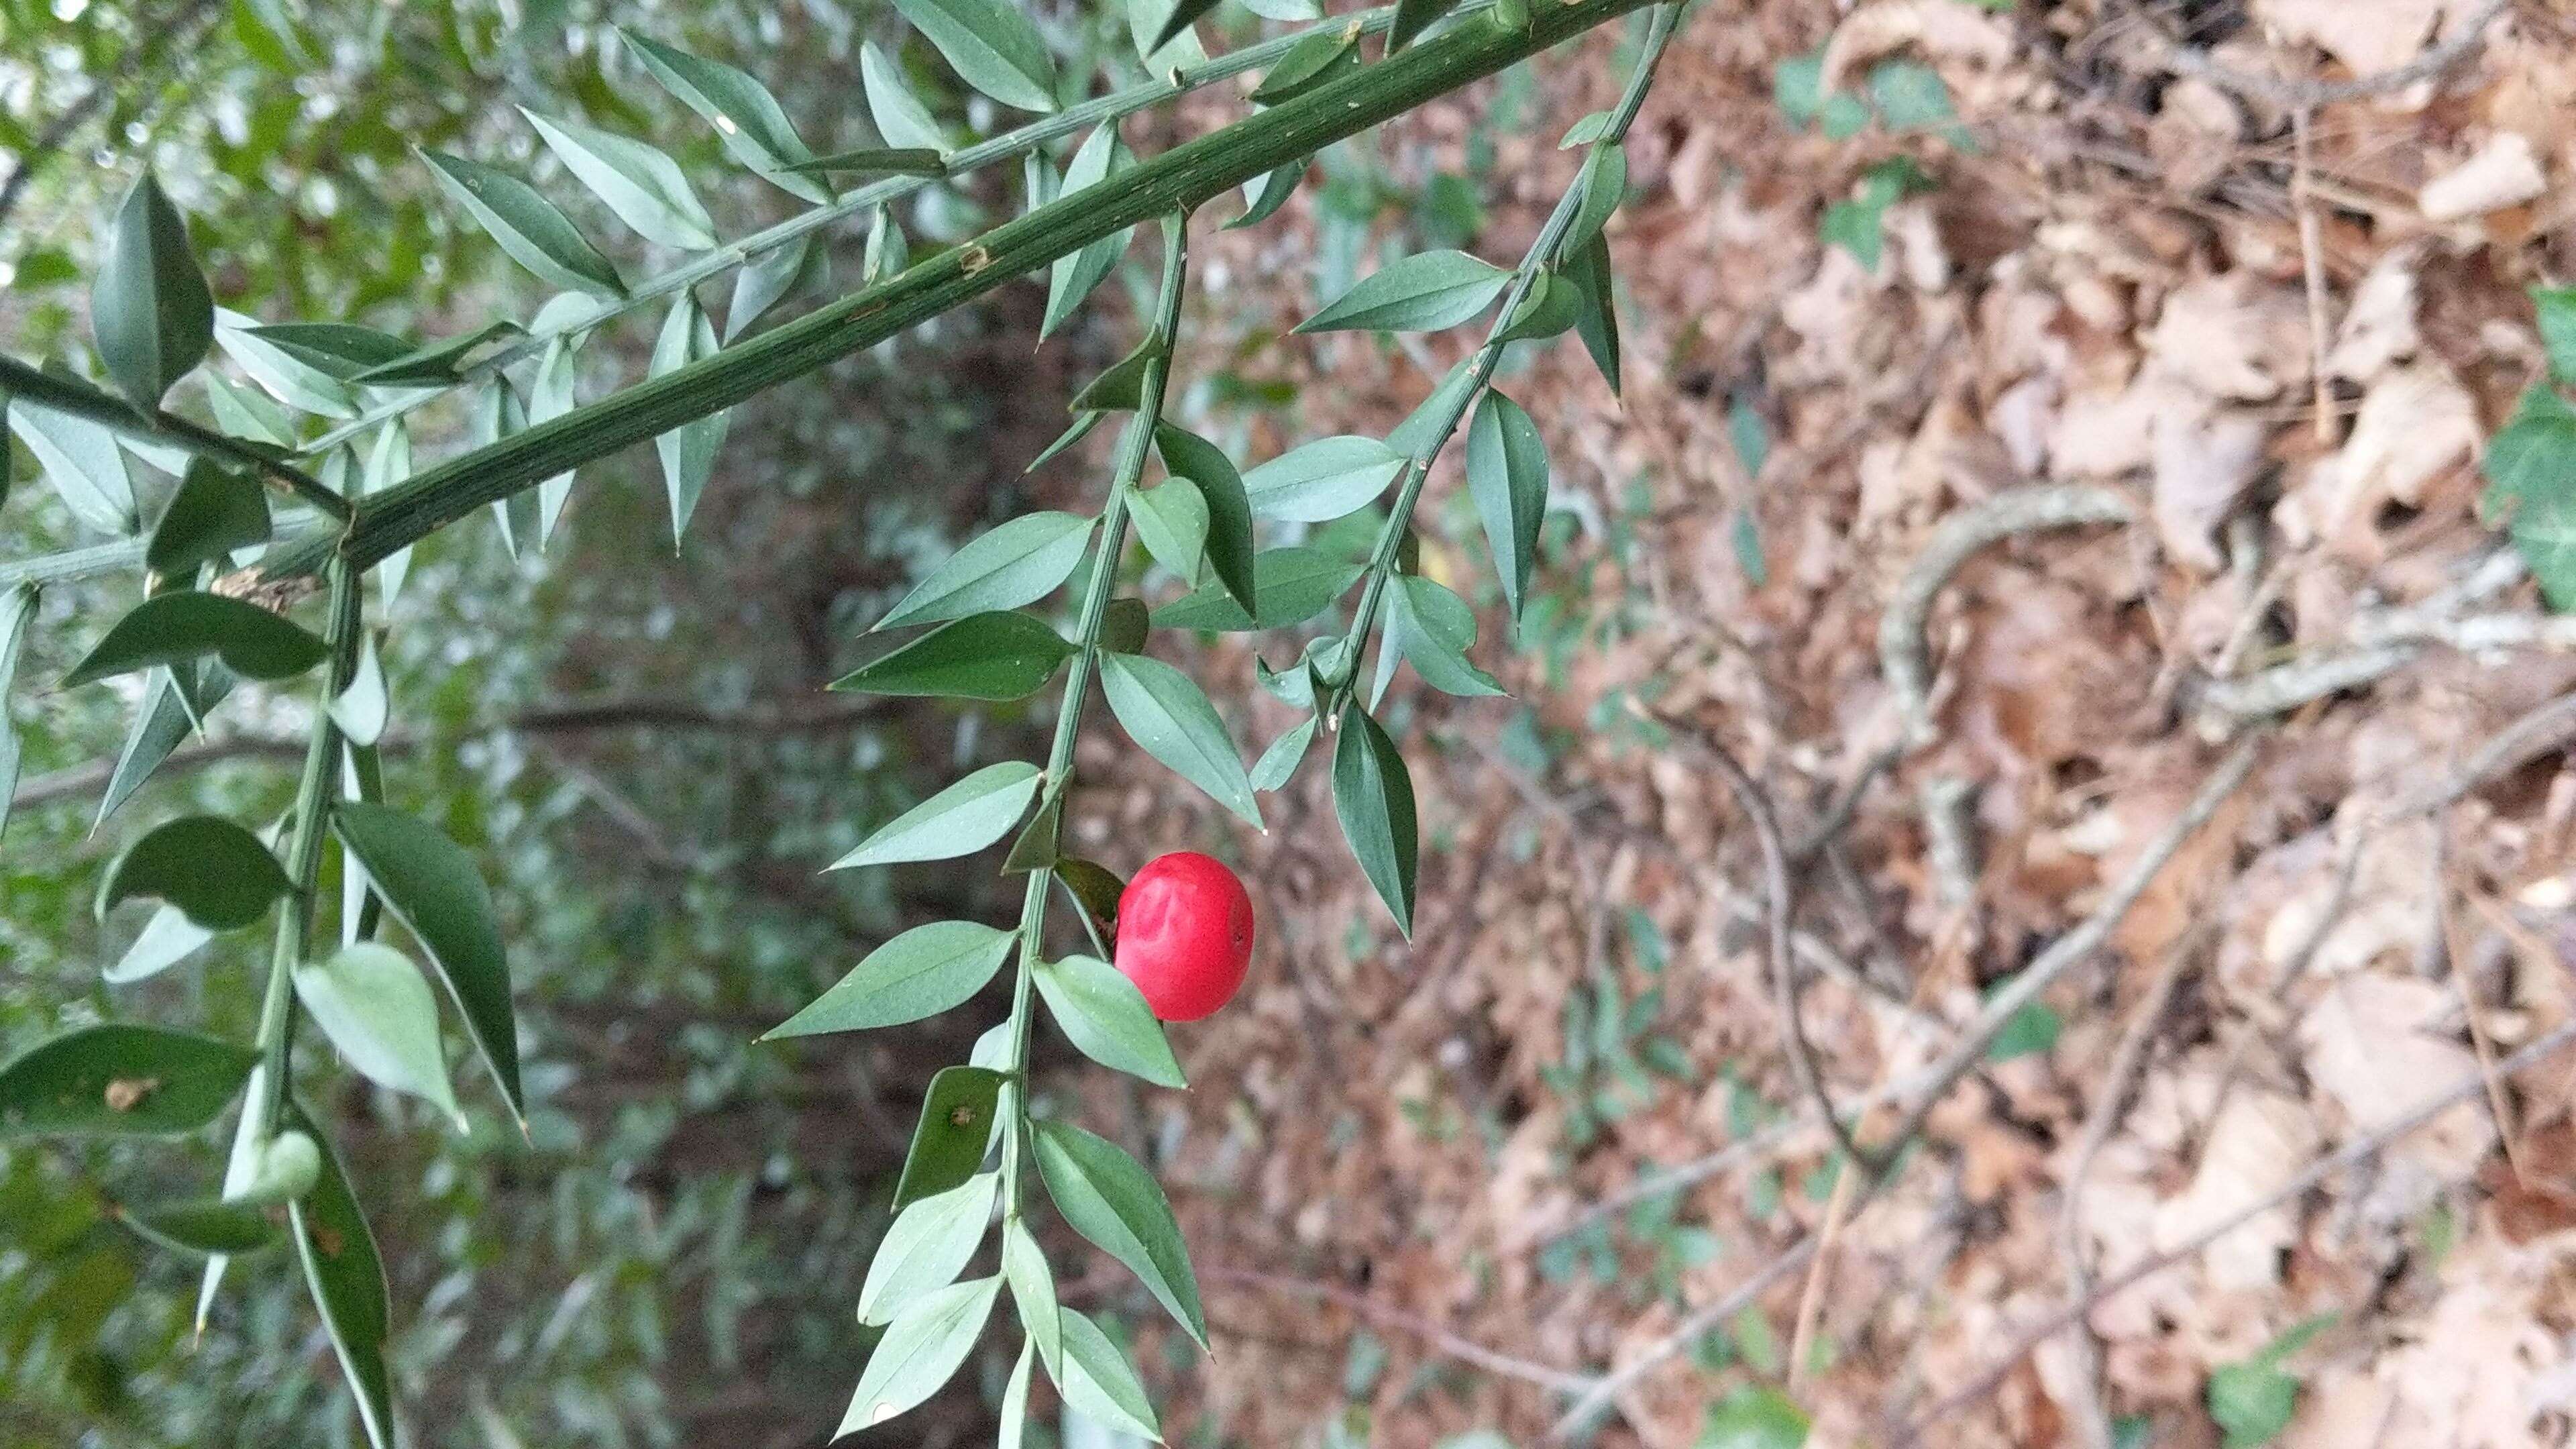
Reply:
x=1185, y=934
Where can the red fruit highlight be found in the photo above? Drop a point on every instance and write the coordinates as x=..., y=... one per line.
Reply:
x=1185, y=934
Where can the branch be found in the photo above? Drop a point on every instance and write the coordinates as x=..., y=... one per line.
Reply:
x=2465, y=40
x=2351, y=1154
x=1464, y=1350
x=1178, y=179
x=1008, y=146
x=1903, y=655
x=2063, y=953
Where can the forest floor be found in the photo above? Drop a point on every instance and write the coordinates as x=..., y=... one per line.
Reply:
x=2120, y=523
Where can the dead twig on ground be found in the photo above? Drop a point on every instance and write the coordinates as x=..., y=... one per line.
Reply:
x=2352, y=1154
x=2128, y=1061
x=2075, y=946
x=2548, y=727
x=2467, y=37
x=1464, y=1350
x=1904, y=656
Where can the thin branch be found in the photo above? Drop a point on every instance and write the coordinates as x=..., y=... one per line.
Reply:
x=2351, y=1154
x=2466, y=39
x=1904, y=657
x=2551, y=726
x=2065, y=952
x=1385, y=1315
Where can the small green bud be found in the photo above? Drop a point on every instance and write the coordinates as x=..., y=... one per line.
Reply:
x=288, y=1169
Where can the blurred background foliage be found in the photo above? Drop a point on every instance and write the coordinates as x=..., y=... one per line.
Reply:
x=632, y=741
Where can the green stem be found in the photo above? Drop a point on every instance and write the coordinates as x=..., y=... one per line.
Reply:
x=1133, y=447
x=304, y=848
x=84, y=401
x=1181, y=177
x=1540, y=256
x=1008, y=146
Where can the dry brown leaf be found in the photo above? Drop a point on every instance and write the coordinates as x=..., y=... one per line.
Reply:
x=2376, y=1047
x=2368, y=36
x=2503, y=173
x=2259, y=1140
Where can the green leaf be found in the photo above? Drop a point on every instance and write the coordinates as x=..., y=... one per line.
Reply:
x=82, y=463
x=1073, y=277
x=2534, y=454
x=2031, y=1031
x=210, y=868
x=389, y=463
x=746, y=116
x=1172, y=521
x=1278, y=764
x=1412, y=17
x=1750, y=436
x=341, y=350
x=1165, y=712
x=1373, y=796
x=960, y=820
x=1323, y=480
x=1598, y=321
x=769, y=276
x=1549, y=308
x=689, y=450
x=1424, y=292
x=1604, y=183
x=243, y=413
x=168, y=938
x=1013, y=1433
x=2554, y=311
x=901, y=118
x=360, y=709
x=1164, y=50
x=992, y=45
x=1435, y=628
x=432, y=887
x=529, y=228
x=1295, y=585
x=214, y=512
x=437, y=364
x=1507, y=476
x=1125, y=625
x=1428, y=426
x=203, y=1226
x=1184, y=14
x=281, y=374
x=1755, y=1416
x=1024, y=1267
x=1910, y=96
x=15, y=610
x=1099, y=1383
x=347, y=1278
x=929, y=1244
x=1262, y=198
x=1121, y=1209
x=499, y=414
x=158, y=727
x=119, y=1079
x=922, y=972
x=1318, y=58
x=1040, y=845
x=1229, y=539
x=921, y=1352
x=2531, y=474
x=1592, y=127
x=1018, y=563
x=956, y=1125
x=983, y=656
x=2252, y=1402
x=149, y=308
x=550, y=396
x=1105, y=1017
x=375, y=1007
x=1121, y=387
x=644, y=188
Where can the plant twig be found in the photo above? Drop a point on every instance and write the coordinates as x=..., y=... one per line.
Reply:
x=1904, y=657
x=2467, y=37
x=2066, y=951
x=1464, y=1350
x=2307, y=1179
